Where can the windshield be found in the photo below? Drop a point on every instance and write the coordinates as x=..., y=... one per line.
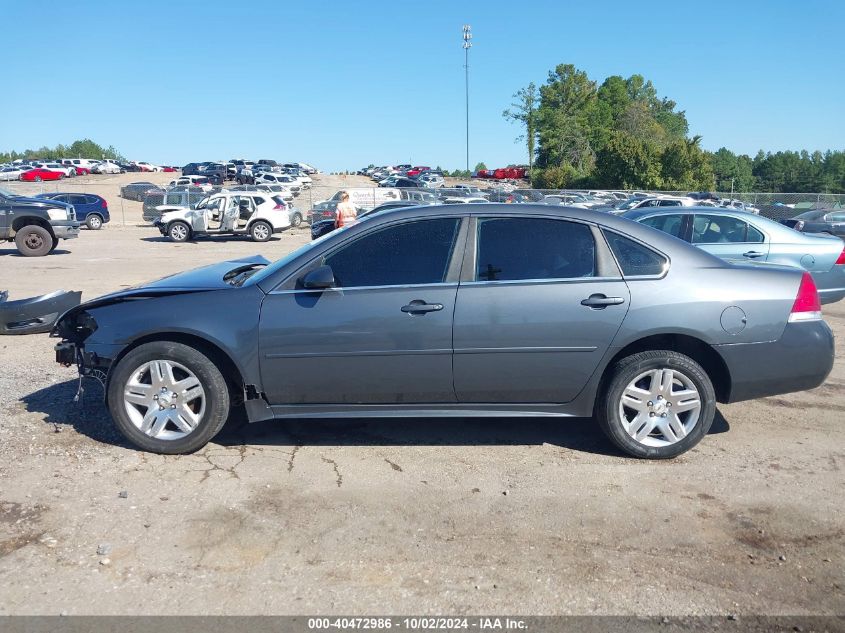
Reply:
x=628, y=203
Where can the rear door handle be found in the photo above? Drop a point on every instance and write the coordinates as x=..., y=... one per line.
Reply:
x=600, y=301
x=421, y=307
x=752, y=254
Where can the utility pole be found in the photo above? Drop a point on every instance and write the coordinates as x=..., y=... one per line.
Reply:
x=467, y=46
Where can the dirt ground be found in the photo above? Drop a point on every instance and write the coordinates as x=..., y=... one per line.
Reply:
x=399, y=516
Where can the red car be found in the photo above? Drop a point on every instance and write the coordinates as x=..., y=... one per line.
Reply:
x=38, y=174
x=82, y=171
x=416, y=171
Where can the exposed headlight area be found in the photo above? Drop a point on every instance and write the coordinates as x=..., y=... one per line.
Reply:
x=58, y=214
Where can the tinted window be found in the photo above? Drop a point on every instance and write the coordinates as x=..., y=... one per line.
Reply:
x=669, y=203
x=634, y=258
x=835, y=217
x=718, y=229
x=670, y=224
x=754, y=235
x=533, y=248
x=411, y=253
x=258, y=200
x=77, y=200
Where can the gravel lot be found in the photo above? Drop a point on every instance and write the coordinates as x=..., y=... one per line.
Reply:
x=400, y=516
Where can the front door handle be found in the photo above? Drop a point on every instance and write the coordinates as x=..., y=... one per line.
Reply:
x=752, y=254
x=600, y=301
x=421, y=307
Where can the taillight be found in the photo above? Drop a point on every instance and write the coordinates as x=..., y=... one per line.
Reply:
x=807, y=306
x=799, y=225
x=103, y=203
x=841, y=260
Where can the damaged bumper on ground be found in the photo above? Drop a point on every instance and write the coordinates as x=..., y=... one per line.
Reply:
x=36, y=314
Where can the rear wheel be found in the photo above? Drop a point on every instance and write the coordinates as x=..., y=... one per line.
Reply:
x=260, y=231
x=656, y=404
x=169, y=398
x=296, y=220
x=178, y=232
x=94, y=222
x=33, y=241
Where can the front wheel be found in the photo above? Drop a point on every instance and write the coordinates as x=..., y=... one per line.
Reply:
x=178, y=232
x=33, y=241
x=656, y=404
x=168, y=398
x=260, y=231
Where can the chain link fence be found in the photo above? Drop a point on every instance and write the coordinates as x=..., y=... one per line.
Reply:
x=319, y=201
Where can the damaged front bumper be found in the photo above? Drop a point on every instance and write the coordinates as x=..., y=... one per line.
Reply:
x=36, y=314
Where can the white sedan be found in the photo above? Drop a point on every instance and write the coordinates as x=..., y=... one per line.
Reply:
x=106, y=168
x=13, y=173
x=147, y=166
x=67, y=170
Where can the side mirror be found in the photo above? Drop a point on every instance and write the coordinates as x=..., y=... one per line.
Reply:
x=319, y=279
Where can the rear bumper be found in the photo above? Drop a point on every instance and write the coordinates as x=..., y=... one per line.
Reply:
x=831, y=284
x=801, y=359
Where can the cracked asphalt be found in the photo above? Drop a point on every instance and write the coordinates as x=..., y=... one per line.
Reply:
x=399, y=516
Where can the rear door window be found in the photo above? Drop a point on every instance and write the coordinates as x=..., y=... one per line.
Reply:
x=720, y=229
x=510, y=249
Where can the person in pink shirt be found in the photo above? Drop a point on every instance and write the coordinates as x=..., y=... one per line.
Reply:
x=346, y=212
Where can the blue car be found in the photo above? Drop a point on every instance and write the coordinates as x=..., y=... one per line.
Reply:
x=91, y=210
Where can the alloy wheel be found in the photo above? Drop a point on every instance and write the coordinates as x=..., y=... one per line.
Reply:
x=660, y=407
x=164, y=399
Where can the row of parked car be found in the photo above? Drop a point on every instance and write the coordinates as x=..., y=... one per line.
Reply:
x=38, y=171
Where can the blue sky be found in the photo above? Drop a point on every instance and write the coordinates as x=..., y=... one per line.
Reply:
x=343, y=84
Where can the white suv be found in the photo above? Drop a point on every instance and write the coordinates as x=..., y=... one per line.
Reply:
x=253, y=213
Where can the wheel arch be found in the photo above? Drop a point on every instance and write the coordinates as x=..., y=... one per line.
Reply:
x=701, y=352
x=30, y=220
x=230, y=370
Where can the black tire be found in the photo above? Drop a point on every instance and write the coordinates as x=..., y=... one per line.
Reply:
x=55, y=244
x=260, y=231
x=296, y=220
x=179, y=231
x=214, y=384
x=626, y=370
x=37, y=179
x=94, y=221
x=33, y=241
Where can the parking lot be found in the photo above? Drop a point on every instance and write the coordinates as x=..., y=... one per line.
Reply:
x=524, y=516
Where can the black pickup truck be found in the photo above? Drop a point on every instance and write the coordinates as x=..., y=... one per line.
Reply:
x=35, y=224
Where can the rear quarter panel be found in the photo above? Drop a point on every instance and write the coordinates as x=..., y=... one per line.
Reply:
x=694, y=302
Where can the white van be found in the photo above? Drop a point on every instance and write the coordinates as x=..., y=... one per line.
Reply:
x=366, y=198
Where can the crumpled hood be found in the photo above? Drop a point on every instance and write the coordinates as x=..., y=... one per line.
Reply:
x=206, y=278
x=209, y=277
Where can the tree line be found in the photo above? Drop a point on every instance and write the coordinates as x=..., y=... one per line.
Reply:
x=84, y=148
x=622, y=135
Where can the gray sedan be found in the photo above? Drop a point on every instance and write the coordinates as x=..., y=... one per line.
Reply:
x=740, y=236
x=456, y=310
